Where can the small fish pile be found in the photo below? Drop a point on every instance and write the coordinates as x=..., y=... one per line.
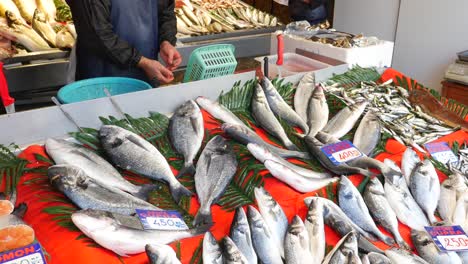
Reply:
x=461, y=166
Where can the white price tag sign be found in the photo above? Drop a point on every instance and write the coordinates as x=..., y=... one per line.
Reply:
x=454, y=243
x=441, y=152
x=341, y=152
x=448, y=238
x=161, y=220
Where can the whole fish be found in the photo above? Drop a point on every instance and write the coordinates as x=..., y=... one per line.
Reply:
x=376, y=258
x=26, y=8
x=263, y=240
x=186, y=133
x=460, y=214
x=381, y=211
x=42, y=26
x=161, y=254
x=263, y=115
x=398, y=255
x=48, y=8
x=344, y=250
x=216, y=167
x=345, y=120
x=281, y=108
x=64, y=39
x=296, y=243
x=86, y=193
x=262, y=154
x=463, y=256
x=246, y=136
x=429, y=251
x=95, y=167
x=212, y=252
x=295, y=180
x=367, y=135
x=131, y=152
x=315, y=227
x=105, y=230
x=303, y=94
x=9, y=6
x=23, y=33
x=232, y=254
x=425, y=187
x=241, y=235
x=365, y=259
x=317, y=111
x=409, y=160
x=355, y=208
x=220, y=112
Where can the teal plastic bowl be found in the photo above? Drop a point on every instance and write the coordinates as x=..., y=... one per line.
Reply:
x=94, y=88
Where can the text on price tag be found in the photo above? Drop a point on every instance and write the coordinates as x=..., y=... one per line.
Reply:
x=31, y=254
x=341, y=152
x=161, y=220
x=448, y=238
x=441, y=152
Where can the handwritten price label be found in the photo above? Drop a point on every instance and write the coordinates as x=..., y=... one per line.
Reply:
x=441, y=152
x=448, y=238
x=161, y=220
x=454, y=243
x=31, y=254
x=341, y=152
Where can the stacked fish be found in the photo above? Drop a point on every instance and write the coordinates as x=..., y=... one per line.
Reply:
x=461, y=166
x=32, y=23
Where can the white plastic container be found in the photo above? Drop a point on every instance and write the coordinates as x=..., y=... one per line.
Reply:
x=292, y=64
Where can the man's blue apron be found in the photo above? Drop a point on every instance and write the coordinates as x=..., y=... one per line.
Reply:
x=135, y=21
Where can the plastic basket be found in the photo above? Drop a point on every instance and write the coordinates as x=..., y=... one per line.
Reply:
x=94, y=88
x=211, y=61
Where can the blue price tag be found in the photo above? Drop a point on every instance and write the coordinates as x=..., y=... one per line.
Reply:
x=161, y=220
x=341, y=152
x=31, y=254
x=448, y=238
x=441, y=152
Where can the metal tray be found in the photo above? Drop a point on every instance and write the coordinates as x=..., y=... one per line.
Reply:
x=40, y=55
x=463, y=56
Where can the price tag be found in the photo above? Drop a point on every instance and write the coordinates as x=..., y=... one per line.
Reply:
x=341, y=152
x=448, y=238
x=161, y=220
x=441, y=152
x=31, y=254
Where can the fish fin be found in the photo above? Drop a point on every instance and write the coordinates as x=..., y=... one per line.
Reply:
x=203, y=218
x=196, y=126
x=187, y=169
x=20, y=210
x=179, y=191
x=136, y=141
x=145, y=190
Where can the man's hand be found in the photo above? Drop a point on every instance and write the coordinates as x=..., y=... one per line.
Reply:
x=170, y=55
x=154, y=69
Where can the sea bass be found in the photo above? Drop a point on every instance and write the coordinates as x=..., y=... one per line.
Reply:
x=345, y=120
x=345, y=250
x=317, y=111
x=367, y=135
x=23, y=34
x=231, y=253
x=315, y=227
x=397, y=255
x=216, y=167
x=429, y=251
x=220, y=112
x=131, y=152
x=241, y=235
x=425, y=187
x=296, y=243
x=303, y=94
x=42, y=26
x=409, y=160
x=9, y=5
x=212, y=252
x=161, y=254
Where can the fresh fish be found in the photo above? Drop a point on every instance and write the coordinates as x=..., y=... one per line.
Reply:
x=425, y=187
x=429, y=251
x=9, y=6
x=367, y=135
x=186, y=133
x=409, y=160
x=381, y=211
x=263, y=240
x=448, y=199
x=398, y=255
x=315, y=227
x=297, y=181
x=216, y=167
x=105, y=230
x=355, y=208
x=344, y=250
x=232, y=254
x=42, y=26
x=86, y=193
x=220, y=112
x=463, y=256
x=281, y=108
x=403, y=203
x=262, y=154
x=345, y=120
x=460, y=214
x=131, y=152
x=240, y=234
x=365, y=259
x=161, y=254
x=274, y=217
x=303, y=94
x=317, y=111
x=376, y=258
x=64, y=39
x=23, y=33
x=314, y=147
x=26, y=8
x=246, y=136
x=95, y=167
x=48, y=8
x=263, y=115
x=296, y=243
x=212, y=252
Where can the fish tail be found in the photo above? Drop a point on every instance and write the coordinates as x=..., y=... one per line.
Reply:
x=203, y=217
x=179, y=191
x=145, y=190
x=387, y=240
x=188, y=168
x=402, y=243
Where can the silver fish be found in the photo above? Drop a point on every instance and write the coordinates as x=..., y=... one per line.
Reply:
x=132, y=152
x=409, y=160
x=376, y=258
x=354, y=207
x=263, y=115
x=246, y=136
x=315, y=227
x=397, y=255
x=296, y=243
x=186, y=132
x=105, y=230
x=42, y=26
x=241, y=235
x=232, y=254
x=344, y=250
x=425, y=187
x=216, y=167
x=95, y=167
x=86, y=193
x=381, y=211
x=429, y=251
x=460, y=214
x=317, y=111
x=281, y=108
x=345, y=120
x=219, y=111
x=212, y=252
x=161, y=254
x=273, y=215
x=263, y=240
x=447, y=201
x=367, y=135
x=303, y=94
